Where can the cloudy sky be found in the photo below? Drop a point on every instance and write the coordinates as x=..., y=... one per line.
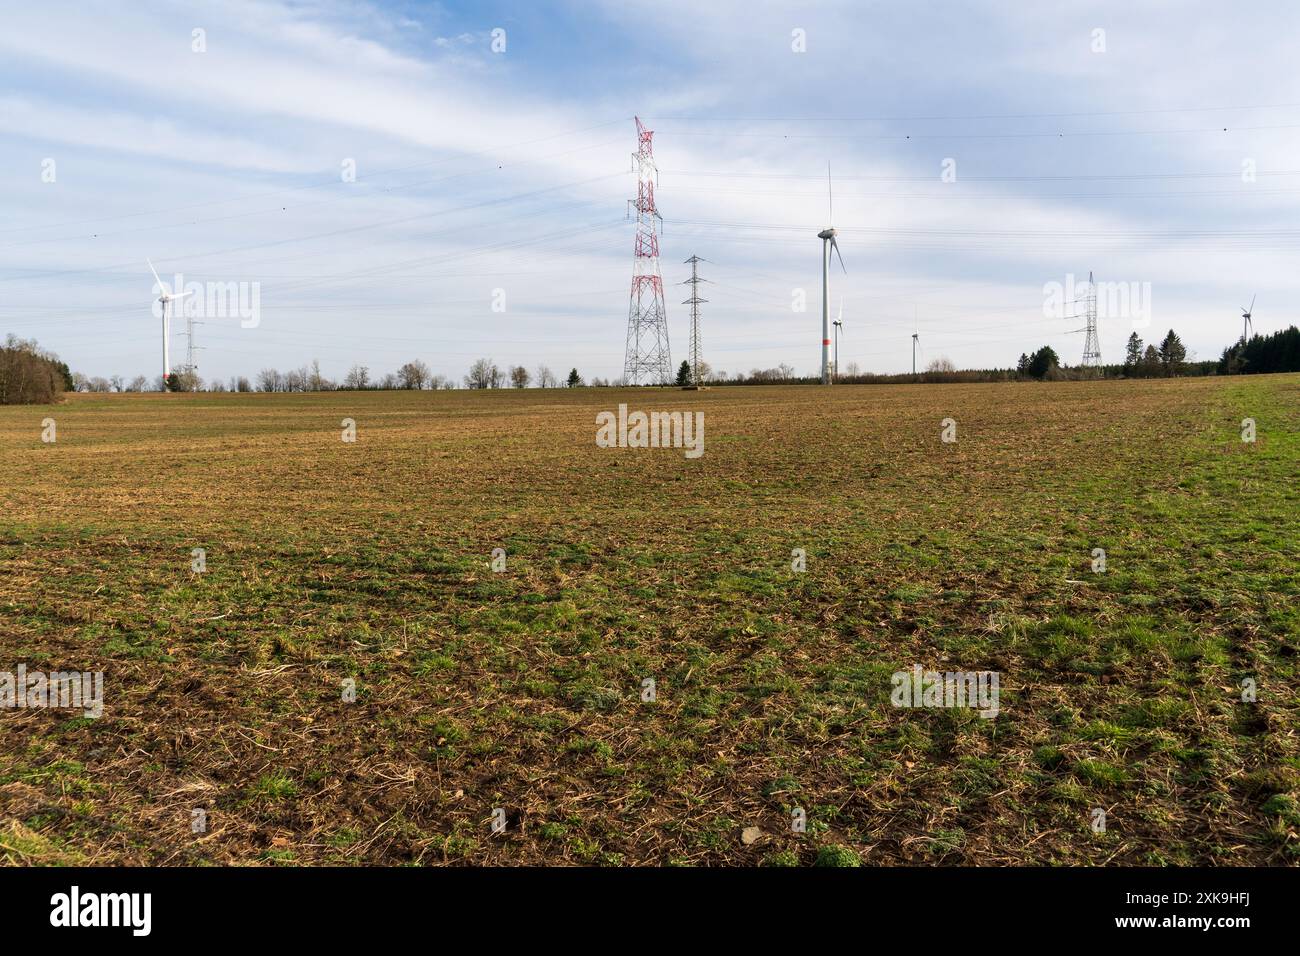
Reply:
x=1153, y=143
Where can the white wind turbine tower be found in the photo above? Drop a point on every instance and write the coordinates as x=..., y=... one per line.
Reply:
x=827, y=236
x=839, y=327
x=916, y=339
x=1246, y=322
x=165, y=299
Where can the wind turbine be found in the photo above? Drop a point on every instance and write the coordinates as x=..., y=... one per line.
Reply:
x=827, y=236
x=916, y=340
x=839, y=325
x=1246, y=322
x=164, y=300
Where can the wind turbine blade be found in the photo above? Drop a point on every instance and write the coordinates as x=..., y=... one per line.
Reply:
x=841, y=319
x=162, y=285
x=1252, y=303
x=836, y=246
x=181, y=295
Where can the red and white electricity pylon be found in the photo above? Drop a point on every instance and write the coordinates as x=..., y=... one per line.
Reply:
x=647, y=360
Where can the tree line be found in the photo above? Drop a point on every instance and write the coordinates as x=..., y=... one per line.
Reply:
x=415, y=375
x=1279, y=352
x=29, y=374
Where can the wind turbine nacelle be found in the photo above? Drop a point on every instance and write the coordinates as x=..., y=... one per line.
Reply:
x=828, y=233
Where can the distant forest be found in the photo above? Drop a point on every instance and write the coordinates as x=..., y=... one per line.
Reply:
x=1279, y=352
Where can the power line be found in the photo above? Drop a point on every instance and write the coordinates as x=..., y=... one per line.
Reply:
x=976, y=116
x=999, y=233
x=41, y=273
x=271, y=211
x=1081, y=177
x=952, y=192
x=333, y=181
x=1058, y=134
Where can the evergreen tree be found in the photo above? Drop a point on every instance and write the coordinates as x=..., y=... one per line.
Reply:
x=574, y=379
x=1230, y=361
x=1172, y=354
x=1150, y=362
x=684, y=373
x=1132, y=354
x=1043, y=362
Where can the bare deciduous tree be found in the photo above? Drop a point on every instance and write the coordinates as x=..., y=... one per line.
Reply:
x=483, y=374
x=413, y=375
x=358, y=377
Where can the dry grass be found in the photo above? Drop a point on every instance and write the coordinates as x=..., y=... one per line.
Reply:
x=520, y=690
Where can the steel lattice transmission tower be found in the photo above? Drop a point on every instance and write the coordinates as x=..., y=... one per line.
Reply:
x=647, y=359
x=191, y=366
x=694, y=302
x=1091, y=344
